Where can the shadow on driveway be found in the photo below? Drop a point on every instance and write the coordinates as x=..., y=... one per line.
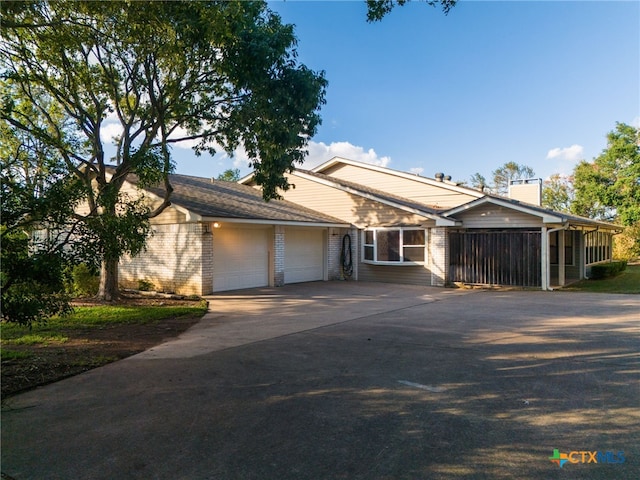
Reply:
x=353, y=381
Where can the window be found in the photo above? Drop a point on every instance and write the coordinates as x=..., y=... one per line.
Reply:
x=568, y=248
x=597, y=247
x=394, y=246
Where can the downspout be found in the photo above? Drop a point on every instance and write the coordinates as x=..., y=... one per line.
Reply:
x=546, y=280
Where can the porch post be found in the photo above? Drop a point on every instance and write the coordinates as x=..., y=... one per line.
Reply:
x=544, y=258
x=561, y=266
x=581, y=249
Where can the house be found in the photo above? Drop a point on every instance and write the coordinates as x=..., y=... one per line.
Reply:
x=346, y=219
x=412, y=229
x=219, y=236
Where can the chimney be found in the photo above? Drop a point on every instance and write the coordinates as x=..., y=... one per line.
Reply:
x=526, y=190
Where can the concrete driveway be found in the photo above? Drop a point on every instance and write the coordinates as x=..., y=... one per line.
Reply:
x=354, y=381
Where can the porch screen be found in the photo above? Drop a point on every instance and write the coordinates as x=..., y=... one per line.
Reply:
x=495, y=257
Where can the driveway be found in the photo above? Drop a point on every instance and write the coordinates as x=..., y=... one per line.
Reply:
x=353, y=381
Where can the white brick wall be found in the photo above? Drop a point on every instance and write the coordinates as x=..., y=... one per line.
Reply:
x=178, y=258
x=439, y=249
x=278, y=247
x=335, y=250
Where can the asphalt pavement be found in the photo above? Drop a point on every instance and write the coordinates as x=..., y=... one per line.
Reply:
x=341, y=380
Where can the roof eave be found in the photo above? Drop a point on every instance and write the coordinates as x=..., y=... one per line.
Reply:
x=264, y=221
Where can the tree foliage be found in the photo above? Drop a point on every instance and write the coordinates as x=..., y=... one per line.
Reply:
x=509, y=171
x=609, y=187
x=478, y=181
x=230, y=175
x=557, y=193
x=35, y=192
x=377, y=9
x=222, y=74
x=32, y=282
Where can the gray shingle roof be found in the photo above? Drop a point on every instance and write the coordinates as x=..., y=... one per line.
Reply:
x=220, y=199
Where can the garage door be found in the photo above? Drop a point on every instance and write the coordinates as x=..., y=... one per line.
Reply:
x=240, y=258
x=303, y=255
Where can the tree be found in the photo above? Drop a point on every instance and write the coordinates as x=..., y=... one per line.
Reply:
x=478, y=181
x=557, y=193
x=377, y=9
x=221, y=73
x=509, y=171
x=34, y=193
x=230, y=175
x=609, y=188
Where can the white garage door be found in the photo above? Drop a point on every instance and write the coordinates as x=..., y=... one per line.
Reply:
x=240, y=258
x=303, y=255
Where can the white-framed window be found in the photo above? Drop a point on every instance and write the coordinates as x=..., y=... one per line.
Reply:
x=394, y=246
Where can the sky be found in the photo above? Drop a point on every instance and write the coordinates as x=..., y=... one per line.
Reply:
x=540, y=83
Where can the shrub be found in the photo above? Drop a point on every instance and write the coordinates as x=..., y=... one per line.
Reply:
x=85, y=281
x=145, y=285
x=32, y=284
x=604, y=270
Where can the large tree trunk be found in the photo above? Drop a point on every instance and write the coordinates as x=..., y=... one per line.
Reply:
x=109, y=281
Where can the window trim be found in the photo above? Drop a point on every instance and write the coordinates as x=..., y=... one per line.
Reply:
x=401, y=246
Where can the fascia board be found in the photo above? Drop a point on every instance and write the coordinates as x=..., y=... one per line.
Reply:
x=246, y=179
x=546, y=217
x=260, y=221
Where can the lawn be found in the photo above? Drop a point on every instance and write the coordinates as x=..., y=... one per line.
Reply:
x=625, y=282
x=92, y=336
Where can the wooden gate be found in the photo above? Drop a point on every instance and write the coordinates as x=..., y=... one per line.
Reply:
x=495, y=257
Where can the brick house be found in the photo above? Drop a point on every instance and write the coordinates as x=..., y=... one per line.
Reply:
x=394, y=227
x=220, y=236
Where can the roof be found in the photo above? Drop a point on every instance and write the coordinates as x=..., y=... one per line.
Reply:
x=218, y=199
x=547, y=215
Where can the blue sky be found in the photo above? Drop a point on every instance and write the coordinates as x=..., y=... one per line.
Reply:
x=539, y=83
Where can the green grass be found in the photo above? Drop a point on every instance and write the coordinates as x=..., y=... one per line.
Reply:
x=35, y=339
x=11, y=355
x=92, y=317
x=626, y=282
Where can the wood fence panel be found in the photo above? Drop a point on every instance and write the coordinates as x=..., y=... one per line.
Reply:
x=496, y=257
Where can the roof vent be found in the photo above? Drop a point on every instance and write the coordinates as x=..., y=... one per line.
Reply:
x=526, y=190
x=439, y=176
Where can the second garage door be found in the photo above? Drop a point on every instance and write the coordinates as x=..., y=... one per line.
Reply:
x=240, y=258
x=304, y=257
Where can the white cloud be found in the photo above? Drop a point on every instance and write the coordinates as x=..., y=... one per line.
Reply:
x=320, y=152
x=109, y=131
x=636, y=122
x=416, y=170
x=186, y=144
x=572, y=153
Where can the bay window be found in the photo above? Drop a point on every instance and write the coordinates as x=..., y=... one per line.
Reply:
x=394, y=246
